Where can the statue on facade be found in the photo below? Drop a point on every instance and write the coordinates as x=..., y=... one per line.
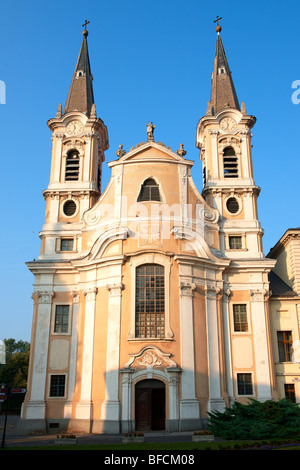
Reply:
x=150, y=130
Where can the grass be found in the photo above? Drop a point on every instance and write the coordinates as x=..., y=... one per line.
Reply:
x=174, y=446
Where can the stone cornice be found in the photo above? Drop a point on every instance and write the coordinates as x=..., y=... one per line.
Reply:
x=290, y=234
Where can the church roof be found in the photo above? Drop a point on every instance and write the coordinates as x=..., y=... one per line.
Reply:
x=81, y=96
x=278, y=287
x=223, y=94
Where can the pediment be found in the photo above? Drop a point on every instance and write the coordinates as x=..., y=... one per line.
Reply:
x=151, y=151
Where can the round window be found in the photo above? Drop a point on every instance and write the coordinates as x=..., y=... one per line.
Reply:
x=69, y=208
x=232, y=205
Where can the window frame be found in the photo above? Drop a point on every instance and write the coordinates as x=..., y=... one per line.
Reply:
x=248, y=311
x=62, y=304
x=157, y=185
x=51, y=376
x=151, y=258
x=67, y=239
x=238, y=384
x=236, y=163
x=154, y=320
x=285, y=342
x=234, y=322
x=290, y=392
x=69, y=155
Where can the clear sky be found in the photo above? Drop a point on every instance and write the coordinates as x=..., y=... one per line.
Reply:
x=151, y=61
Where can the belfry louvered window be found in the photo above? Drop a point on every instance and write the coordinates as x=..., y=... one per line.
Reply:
x=150, y=301
x=149, y=191
x=72, y=166
x=230, y=162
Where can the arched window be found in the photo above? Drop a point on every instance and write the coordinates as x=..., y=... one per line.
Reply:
x=149, y=191
x=150, y=301
x=230, y=163
x=72, y=166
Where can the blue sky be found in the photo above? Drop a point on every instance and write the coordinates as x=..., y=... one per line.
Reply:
x=150, y=61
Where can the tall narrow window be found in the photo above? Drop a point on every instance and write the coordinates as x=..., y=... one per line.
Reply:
x=240, y=317
x=289, y=392
x=230, y=163
x=72, y=166
x=61, y=323
x=57, y=385
x=149, y=191
x=244, y=383
x=285, y=342
x=150, y=301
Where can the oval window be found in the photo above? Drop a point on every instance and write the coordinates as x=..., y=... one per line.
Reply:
x=69, y=208
x=232, y=205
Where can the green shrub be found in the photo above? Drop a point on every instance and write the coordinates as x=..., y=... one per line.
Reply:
x=257, y=420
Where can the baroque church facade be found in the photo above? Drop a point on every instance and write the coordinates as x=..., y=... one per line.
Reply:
x=151, y=299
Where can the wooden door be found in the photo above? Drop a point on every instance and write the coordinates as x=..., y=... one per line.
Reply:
x=143, y=409
x=150, y=405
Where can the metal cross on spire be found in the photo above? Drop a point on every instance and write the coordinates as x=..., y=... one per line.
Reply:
x=218, y=28
x=85, y=32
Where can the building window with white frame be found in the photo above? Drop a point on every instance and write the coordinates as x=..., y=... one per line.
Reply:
x=244, y=384
x=285, y=343
x=61, y=321
x=240, y=319
x=67, y=244
x=149, y=191
x=57, y=385
x=235, y=242
x=150, y=301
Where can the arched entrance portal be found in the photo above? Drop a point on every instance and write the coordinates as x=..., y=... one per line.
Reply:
x=150, y=405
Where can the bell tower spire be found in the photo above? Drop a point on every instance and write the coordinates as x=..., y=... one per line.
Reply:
x=224, y=139
x=223, y=93
x=81, y=95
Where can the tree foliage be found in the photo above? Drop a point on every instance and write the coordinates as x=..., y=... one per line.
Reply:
x=14, y=372
x=257, y=420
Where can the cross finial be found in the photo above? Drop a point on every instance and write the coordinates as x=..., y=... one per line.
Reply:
x=218, y=28
x=84, y=32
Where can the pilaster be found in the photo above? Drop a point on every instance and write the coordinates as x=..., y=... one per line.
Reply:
x=110, y=411
x=73, y=356
x=84, y=407
x=215, y=401
x=260, y=338
x=189, y=406
x=36, y=406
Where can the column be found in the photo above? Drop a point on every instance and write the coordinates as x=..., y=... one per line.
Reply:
x=110, y=411
x=126, y=425
x=84, y=407
x=36, y=406
x=73, y=356
x=189, y=406
x=260, y=338
x=174, y=380
x=215, y=401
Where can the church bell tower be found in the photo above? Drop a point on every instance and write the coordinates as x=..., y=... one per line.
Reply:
x=79, y=139
x=224, y=139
